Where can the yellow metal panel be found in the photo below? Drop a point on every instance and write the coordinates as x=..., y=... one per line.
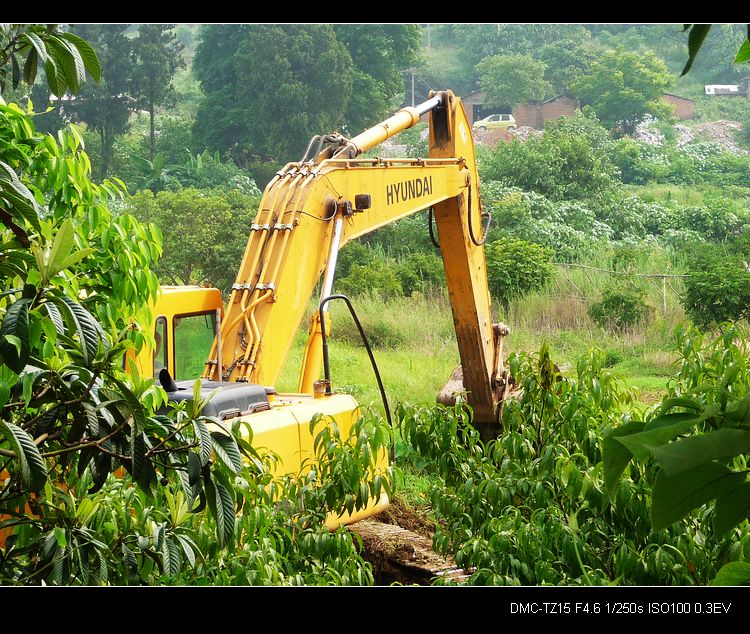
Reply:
x=285, y=430
x=173, y=301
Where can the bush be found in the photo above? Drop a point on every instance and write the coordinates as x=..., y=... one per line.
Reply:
x=569, y=161
x=420, y=272
x=569, y=228
x=516, y=267
x=717, y=289
x=370, y=278
x=621, y=307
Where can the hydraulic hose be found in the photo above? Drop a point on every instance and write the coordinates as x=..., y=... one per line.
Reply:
x=327, y=365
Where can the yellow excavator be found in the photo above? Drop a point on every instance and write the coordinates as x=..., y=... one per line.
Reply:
x=308, y=211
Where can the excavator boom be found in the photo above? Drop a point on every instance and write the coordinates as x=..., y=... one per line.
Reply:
x=313, y=207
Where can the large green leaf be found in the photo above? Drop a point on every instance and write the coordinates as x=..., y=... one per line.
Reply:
x=61, y=246
x=222, y=508
x=205, y=441
x=137, y=453
x=675, y=496
x=15, y=352
x=86, y=326
x=696, y=450
x=193, y=469
x=743, y=55
x=30, y=67
x=735, y=573
x=71, y=63
x=90, y=60
x=19, y=196
x=170, y=553
x=732, y=508
x=55, y=77
x=227, y=451
x=659, y=431
x=39, y=46
x=698, y=33
x=615, y=455
x=135, y=406
x=33, y=469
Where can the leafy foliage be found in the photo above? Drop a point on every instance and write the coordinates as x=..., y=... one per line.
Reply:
x=203, y=232
x=538, y=505
x=622, y=307
x=623, y=87
x=509, y=80
x=516, y=267
x=77, y=280
x=65, y=57
x=244, y=114
x=569, y=161
x=717, y=289
x=698, y=437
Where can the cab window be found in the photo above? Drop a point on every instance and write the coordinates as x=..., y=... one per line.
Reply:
x=193, y=336
x=160, y=351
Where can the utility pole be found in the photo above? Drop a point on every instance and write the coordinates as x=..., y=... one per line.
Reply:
x=412, y=87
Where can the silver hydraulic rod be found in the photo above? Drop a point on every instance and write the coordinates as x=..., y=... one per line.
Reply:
x=333, y=254
x=402, y=120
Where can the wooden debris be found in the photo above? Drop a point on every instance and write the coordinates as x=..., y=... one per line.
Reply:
x=400, y=555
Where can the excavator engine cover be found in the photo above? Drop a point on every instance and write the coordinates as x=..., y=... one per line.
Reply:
x=227, y=399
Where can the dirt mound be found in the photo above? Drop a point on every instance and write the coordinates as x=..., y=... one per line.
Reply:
x=722, y=132
x=401, y=514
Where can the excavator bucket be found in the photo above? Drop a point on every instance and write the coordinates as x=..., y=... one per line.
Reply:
x=503, y=387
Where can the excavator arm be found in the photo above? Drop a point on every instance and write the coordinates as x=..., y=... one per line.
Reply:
x=313, y=207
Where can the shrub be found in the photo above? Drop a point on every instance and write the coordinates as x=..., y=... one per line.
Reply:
x=420, y=272
x=371, y=278
x=569, y=161
x=717, y=289
x=621, y=307
x=516, y=267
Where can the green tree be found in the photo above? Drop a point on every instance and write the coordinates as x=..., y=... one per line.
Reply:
x=508, y=80
x=262, y=99
x=717, y=288
x=380, y=53
x=571, y=160
x=622, y=88
x=106, y=106
x=477, y=41
x=76, y=280
x=158, y=56
x=622, y=306
x=566, y=61
x=204, y=233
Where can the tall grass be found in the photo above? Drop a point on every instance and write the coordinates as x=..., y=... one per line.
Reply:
x=415, y=345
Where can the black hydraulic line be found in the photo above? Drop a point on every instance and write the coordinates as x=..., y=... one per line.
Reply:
x=327, y=365
x=478, y=243
x=432, y=232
